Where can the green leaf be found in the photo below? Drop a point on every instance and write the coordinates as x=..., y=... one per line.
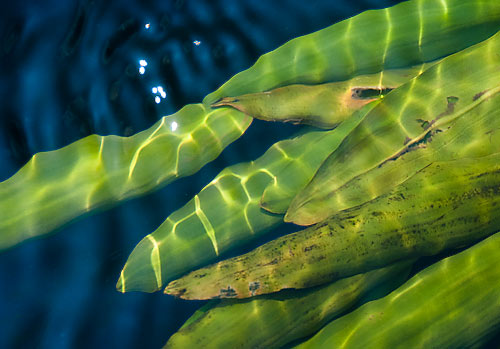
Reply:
x=451, y=304
x=407, y=34
x=227, y=213
x=55, y=187
x=446, y=205
x=276, y=320
x=323, y=105
x=449, y=111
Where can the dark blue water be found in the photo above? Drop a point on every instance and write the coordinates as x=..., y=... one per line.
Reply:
x=72, y=68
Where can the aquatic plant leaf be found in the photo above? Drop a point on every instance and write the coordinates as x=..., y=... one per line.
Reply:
x=446, y=205
x=323, y=105
x=276, y=320
x=227, y=213
x=278, y=194
x=346, y=49
x=454, y=303
x=449, y=111
x=56, y=186
x=406, y=34
x=216, y=220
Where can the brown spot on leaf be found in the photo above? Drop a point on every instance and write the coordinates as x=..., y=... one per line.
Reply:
x=450, y=107
x=228, y=292
x=478, y=95
x=421, y=143
x=369, y=92
x=309, y=248
x=253, y=287
x=423, y=123
x=274, y=261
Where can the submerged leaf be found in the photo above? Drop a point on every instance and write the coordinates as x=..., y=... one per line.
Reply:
x=227, y=213
x=454, y=303
x=446, y=205
x=406, y=34
x=278, y=194
x=447, y=112
x=323, y=105
x=55, y=187
x=276, y=320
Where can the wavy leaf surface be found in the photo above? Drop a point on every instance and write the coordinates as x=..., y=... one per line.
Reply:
x=448, y=112
x=227, y=212
x=401, y=36
x=447, y=205
x=453, y=303
x=272, y=322
x=56, y=186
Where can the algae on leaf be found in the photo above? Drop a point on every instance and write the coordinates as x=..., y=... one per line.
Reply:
x=227, y=212
x=412, y=169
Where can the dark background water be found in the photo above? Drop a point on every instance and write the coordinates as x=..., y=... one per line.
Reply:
x=71, y=68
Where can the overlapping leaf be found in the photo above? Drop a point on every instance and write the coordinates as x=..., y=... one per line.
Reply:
x=272, y=322
x=447, y=205
x=447, y=112
x=227, y=212
x=453, y=303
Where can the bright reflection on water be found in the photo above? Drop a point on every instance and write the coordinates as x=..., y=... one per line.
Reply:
x=143, y=63
x=160, y=92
